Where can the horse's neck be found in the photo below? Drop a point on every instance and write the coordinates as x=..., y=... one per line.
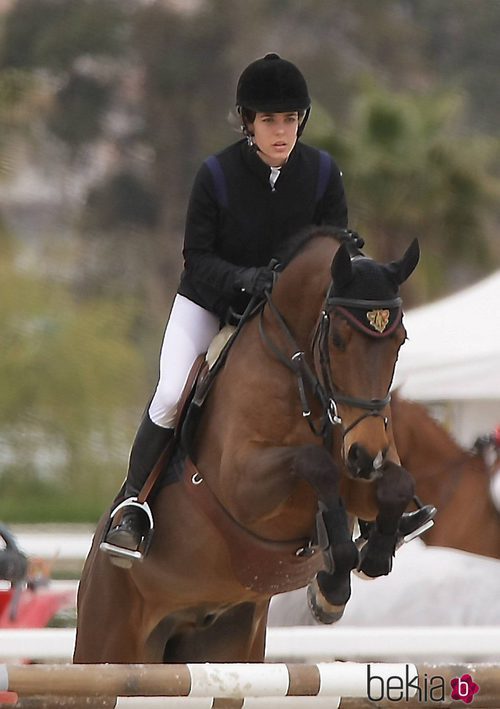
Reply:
x=431, y=454
x=422, y=443
x=446, y=475
x=467, y=519
x=301, y=288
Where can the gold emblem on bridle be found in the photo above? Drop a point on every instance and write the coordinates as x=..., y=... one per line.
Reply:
x=378, y=319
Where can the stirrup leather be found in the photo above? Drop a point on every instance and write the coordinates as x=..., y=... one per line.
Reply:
x=128, y=554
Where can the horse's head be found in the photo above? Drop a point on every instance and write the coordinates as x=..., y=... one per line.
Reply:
x=362, y=335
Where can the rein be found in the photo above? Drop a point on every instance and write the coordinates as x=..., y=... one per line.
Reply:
x=298, y=364
x=326, y=391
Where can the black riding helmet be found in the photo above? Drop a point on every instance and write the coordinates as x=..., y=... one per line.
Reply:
x=273, y=85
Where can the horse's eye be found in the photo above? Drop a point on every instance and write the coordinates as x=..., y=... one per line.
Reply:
x=337, y=340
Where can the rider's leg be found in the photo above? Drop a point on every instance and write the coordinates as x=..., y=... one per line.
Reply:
x=189, y=331
x=411, y=523
x=149, y=443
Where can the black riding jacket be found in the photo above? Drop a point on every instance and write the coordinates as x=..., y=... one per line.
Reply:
x=255, y=224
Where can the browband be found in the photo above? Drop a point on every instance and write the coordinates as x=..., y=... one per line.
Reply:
x=372, y=304
x=379, y=323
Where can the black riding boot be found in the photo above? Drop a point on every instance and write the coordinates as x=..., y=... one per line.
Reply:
x=411, y=524
x=150, y=442
x=415, y=523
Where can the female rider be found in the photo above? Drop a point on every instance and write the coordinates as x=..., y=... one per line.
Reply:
x=270, y=182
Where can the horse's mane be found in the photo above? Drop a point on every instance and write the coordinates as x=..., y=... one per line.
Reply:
x=301, y=239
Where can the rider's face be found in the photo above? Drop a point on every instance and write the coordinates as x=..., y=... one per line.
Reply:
x=275, y=135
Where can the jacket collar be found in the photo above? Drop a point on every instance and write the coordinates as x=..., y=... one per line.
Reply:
x=258, y=166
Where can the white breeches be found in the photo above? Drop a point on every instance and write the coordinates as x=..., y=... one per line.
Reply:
x=190, y=330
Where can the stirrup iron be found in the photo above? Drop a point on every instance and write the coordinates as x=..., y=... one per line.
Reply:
x=432, y=511
x=125, y=557
x=417, y=532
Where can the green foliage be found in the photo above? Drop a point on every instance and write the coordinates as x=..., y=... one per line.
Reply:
x=408, y=173
x=136, y=94
x=76, y=43
x=79, y=109
x=123, y=200
x=70, y=383
x=53, y=33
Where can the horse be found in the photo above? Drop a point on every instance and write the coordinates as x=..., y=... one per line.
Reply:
x=455, y=479
x=294, y=437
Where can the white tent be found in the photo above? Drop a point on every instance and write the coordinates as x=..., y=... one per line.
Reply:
x=452, y=358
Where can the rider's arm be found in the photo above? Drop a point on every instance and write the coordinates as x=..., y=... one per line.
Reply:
x=201, y=260
x=332, y=207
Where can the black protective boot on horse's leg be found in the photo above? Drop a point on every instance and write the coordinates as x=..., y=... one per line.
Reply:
x=150, y=442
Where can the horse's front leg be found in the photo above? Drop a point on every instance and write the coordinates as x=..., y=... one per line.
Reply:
x=394, y=491
x=331, y=589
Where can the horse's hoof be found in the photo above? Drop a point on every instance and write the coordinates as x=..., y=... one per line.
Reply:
x=321, y=610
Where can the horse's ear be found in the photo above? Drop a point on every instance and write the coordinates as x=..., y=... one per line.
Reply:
x=402, y=269
x=341, y=268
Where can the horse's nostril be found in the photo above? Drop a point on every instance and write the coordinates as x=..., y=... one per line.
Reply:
x=361, y=463
x=353, y=454
x=358, y=459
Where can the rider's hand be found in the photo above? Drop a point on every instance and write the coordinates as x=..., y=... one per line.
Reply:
x=256, y=281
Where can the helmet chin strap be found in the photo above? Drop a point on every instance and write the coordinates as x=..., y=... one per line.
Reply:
x=303, y=122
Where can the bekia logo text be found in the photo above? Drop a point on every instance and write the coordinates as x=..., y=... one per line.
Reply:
x=426, y=688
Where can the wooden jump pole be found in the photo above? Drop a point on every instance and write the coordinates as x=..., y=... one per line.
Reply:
x=240, y=686
x=223, y=680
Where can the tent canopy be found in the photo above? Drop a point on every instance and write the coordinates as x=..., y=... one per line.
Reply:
x=453, y=351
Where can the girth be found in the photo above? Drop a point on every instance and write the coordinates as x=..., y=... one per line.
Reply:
x=260, y=565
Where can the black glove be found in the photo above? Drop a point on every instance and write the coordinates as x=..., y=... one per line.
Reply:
x=255, y=281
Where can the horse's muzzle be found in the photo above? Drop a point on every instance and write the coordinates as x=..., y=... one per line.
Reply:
x=362, y=465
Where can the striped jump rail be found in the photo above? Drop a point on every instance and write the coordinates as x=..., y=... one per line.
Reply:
x=344, y=685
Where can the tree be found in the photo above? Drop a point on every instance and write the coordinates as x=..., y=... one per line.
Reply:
x=71, y=384
x=408, y=174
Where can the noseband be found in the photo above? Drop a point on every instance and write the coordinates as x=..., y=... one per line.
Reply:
x=326, y=391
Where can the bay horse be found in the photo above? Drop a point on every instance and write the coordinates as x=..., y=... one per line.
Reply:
x=456, y=480
x=295, y=435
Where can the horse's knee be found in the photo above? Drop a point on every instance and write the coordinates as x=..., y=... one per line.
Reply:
x=316, y=466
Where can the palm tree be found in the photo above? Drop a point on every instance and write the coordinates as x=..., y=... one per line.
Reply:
x=410, y=173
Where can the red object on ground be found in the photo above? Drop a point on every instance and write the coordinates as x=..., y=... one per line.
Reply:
x=35, y=608
x=8, y=698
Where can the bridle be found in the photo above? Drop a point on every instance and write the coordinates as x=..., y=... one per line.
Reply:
x=324, y=389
